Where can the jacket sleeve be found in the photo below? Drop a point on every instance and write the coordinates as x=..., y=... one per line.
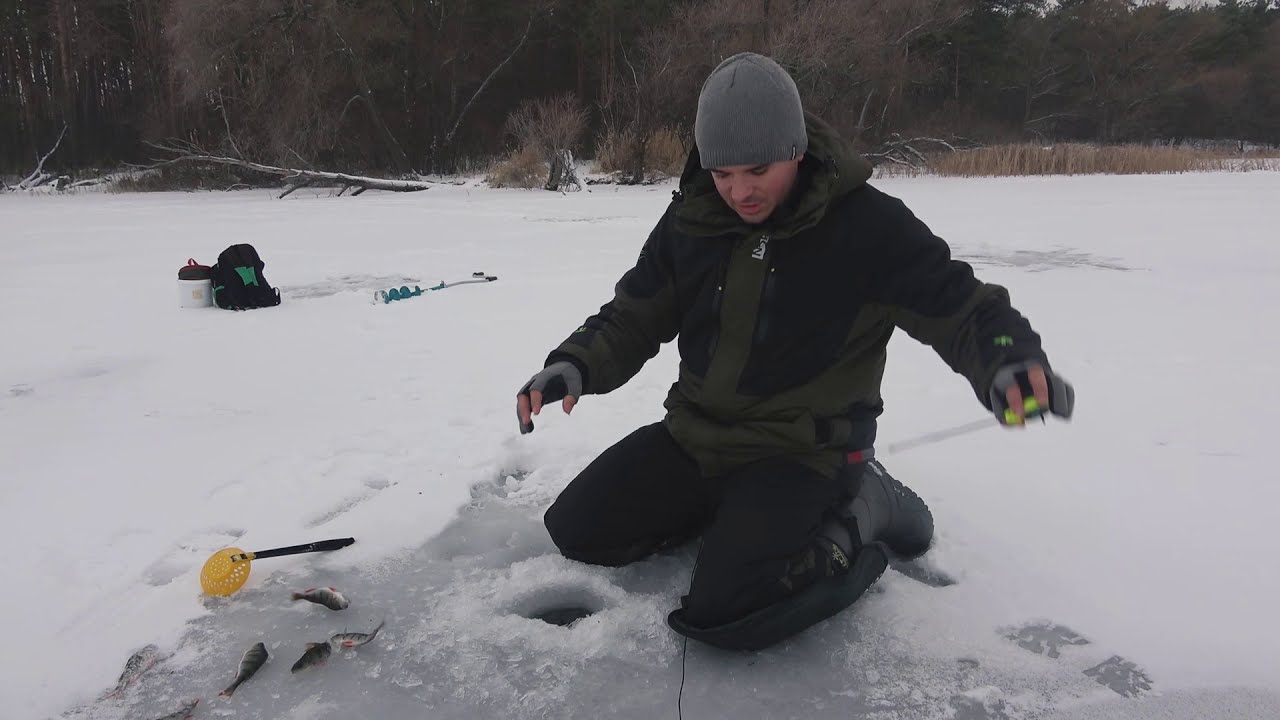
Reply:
x=610, y=347
x=938, y=301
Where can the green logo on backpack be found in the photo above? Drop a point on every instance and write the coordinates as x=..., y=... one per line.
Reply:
x=248, y=275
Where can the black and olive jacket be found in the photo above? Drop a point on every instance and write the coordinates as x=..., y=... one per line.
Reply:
x=782, y=326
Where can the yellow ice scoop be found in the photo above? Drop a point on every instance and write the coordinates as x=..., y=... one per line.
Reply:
x=228, y=569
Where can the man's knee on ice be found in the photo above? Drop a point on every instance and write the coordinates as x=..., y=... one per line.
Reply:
x=581, y=541
x=569, y=536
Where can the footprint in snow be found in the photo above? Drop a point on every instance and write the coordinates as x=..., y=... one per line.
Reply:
x=1046, y=638
x=1120, y=675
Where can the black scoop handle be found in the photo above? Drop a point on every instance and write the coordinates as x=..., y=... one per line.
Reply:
x=322, y=546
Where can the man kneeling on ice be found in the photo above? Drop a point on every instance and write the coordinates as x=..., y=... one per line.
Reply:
x=783, y=274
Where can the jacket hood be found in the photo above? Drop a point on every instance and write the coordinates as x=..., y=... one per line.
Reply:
x=829, y=170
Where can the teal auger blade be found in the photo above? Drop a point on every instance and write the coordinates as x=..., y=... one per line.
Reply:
x=403, y=292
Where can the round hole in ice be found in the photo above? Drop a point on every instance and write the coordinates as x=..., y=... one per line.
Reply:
x=558, y=604
x=563, y=616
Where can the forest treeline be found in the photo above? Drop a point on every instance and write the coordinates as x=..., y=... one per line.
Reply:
x=398, y=87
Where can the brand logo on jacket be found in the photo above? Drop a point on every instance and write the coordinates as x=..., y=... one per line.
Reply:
x=760, y=250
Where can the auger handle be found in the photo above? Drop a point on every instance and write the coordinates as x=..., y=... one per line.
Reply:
x=321, y=546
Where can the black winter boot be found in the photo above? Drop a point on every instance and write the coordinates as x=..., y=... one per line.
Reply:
x=849, y=554
x=887, y=511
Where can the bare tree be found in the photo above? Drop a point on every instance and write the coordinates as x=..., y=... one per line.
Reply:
x=552, y=127
x=851, y=59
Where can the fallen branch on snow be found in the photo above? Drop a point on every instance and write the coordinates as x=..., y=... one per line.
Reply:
x=898, y=151
x=38, y=176
x=294, y=178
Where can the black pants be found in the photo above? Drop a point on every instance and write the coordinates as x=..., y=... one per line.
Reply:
x=756, y=522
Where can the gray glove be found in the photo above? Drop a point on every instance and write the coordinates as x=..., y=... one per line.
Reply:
x=1061, y=396
x=556, y=382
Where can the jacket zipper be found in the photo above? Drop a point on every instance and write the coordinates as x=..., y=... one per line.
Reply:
x=766, y=302
x=715, y=309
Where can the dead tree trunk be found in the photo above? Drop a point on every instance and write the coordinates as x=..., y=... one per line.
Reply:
x=294, y=177
x=563, y=173
x=899, y=151
x=38, y=176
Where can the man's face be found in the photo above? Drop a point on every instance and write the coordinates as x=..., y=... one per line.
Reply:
x=755, y=191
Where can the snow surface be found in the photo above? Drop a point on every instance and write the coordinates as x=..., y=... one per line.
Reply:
x=1134, y=544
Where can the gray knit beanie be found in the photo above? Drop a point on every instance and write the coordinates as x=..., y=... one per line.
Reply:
x=749, y=113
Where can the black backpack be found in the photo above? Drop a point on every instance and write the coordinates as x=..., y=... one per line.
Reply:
x=238, y=282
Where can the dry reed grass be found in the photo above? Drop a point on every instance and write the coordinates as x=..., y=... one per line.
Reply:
x=1081, y=159
x=665, y=152
x=525, y=168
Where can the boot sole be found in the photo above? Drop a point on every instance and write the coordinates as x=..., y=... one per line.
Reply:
x=789, y=617
x=908, y=497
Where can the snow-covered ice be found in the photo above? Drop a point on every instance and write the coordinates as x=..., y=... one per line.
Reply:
x=1121, y=565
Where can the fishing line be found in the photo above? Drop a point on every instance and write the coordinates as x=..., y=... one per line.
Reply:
x=680, y=697
x=685, y=651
